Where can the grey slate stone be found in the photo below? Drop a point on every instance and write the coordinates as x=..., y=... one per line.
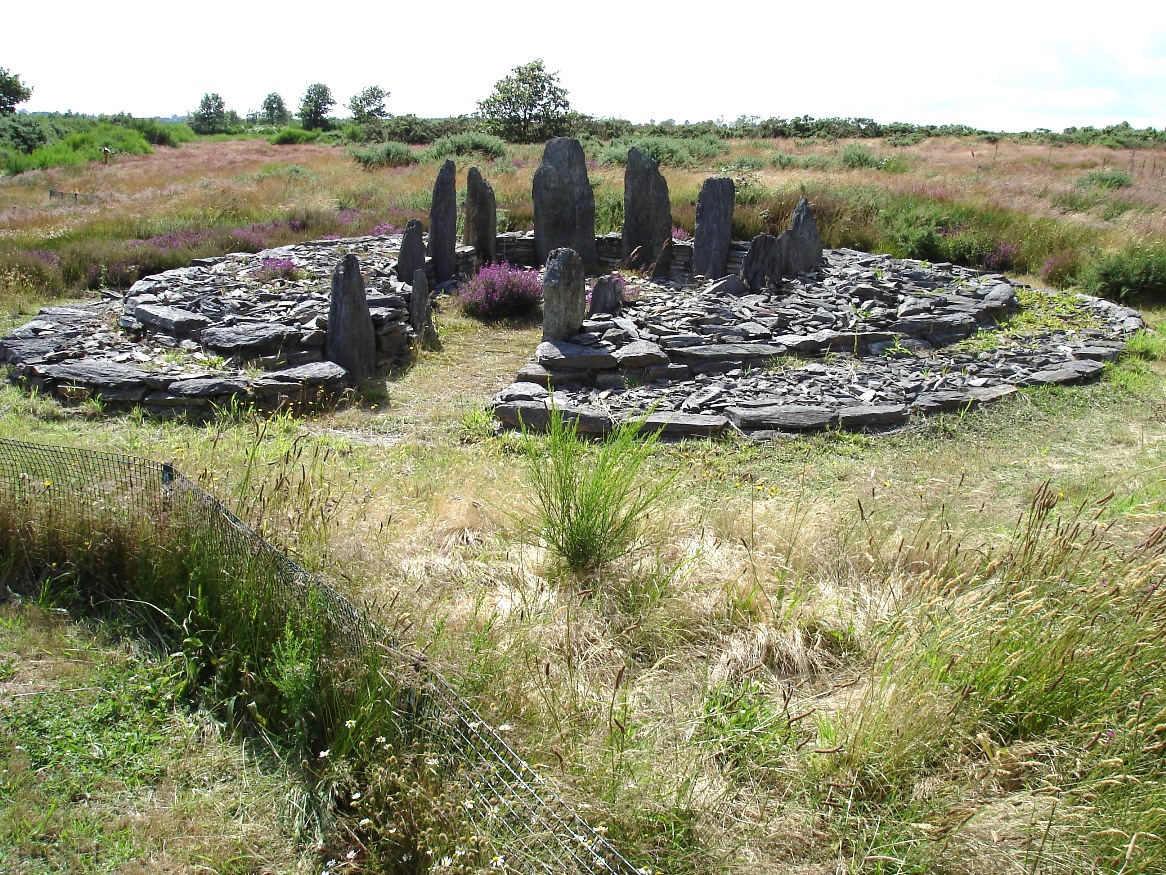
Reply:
x=170, y=319
x=481, y=217
x=647, y=224
x=412, y=256
x=802, y=252
x=726, y=351
x=763, y=262
x=640, y=354
x=564, y=204
x=561, y=354
x=714, y=227
x=351, y=341
x=782, y=417
x=606, y=296
x=564, y=295
x=248, y=338
x=442, y=244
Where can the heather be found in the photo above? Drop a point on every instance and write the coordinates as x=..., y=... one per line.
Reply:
x=501, y=291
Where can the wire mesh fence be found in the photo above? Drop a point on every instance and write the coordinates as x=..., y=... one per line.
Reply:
x=540, y=831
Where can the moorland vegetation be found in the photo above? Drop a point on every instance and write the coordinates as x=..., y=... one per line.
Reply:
x=936, y=650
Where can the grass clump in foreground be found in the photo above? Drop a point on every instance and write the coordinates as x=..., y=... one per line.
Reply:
x=592, y=501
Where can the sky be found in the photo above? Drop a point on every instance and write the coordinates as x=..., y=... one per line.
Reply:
x=1001, y=66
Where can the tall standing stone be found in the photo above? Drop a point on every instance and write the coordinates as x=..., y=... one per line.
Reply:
x=442, y=246
x=481, y=219
x=564, y=205
x=350, y=341
x=412, y=255
x=564, y=295
x=714, y=227
x=421, y=312
x=647, y=215
x=803, y=243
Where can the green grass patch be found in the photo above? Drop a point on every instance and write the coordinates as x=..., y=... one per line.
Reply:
x=77, y=148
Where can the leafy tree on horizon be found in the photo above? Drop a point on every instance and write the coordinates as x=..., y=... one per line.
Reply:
x=315, y=106
x=368, y=107
x=528, y=106
x=211, y=115
x=274, y=110
x=12, y=91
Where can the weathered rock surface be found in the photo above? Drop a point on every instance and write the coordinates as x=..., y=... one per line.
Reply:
x=481, y=217
x=412, y=256
x=442, y=243
x=606, y=296
x=714, y=228
x=564, y=295
x=564, y=205
x=647, y=224
x=350, y=342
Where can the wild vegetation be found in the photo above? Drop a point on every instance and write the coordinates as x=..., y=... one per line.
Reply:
x=936, y=650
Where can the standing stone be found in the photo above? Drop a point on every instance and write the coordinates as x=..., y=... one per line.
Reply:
x=763, y=262
x=803, y=243
x=564, y=295
x=443, y=224
x=714, y=227
x=412, y=256
x=606, y=296
x=564, y=205
x=350, y=341
x=481, y=220
x=647, y=223
x=421, y=312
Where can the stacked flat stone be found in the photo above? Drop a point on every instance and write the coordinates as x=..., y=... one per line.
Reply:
x=868, y=342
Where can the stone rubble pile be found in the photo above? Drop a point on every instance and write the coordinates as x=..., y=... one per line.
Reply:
x=216, y=333
x=863, y=342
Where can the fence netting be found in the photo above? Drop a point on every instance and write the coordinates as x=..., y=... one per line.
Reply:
x=505, y=794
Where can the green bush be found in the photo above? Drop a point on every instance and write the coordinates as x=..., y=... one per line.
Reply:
x=592, y=502
x=666, y=151
x=1135, y=274
x=1106, y=177
x=294, y=137
x=409, y=129
x=80, y=148
x=389, y=154
x=469, y=143
x=856, y=156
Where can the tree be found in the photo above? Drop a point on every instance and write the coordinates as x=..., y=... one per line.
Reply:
x=315, y=106
x=369, y=106
x=12, y=92
x=211, y=115
x=527, y=106
x=275, y=110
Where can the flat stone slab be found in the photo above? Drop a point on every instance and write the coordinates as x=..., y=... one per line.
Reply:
x=170, y=319
x=782, y=417
x=714, y=352
x=561, y=354
x=248, y=338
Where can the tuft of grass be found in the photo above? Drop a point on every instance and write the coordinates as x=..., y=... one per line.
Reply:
x=592, y=501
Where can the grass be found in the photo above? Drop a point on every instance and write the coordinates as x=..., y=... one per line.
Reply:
x=765, y=681
x=96, y=764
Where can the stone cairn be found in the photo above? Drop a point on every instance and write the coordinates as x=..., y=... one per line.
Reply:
x=874, y=334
